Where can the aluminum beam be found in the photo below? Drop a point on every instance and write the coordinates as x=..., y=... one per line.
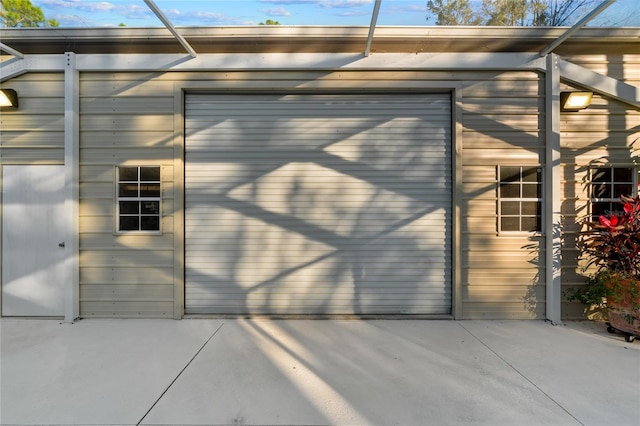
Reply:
x=602, y=84
x=12, y=68
x=31, y=63
x=156, y=10
x=311, y=61
x=11, y=51
x=372, y=27
x=581, y=23
x=277, y=61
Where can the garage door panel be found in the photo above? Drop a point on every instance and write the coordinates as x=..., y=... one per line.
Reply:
x=337, y=230
x=318, y=204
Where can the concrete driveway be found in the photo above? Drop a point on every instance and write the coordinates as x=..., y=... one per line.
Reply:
x=323, y=372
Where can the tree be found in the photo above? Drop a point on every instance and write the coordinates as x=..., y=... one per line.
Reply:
x=269, y=22
x=505, y=12
x=453, y=12
x=509, y=12
x=21, y=13
x=556, y=13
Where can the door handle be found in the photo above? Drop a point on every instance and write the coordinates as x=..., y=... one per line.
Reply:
x=61, y=244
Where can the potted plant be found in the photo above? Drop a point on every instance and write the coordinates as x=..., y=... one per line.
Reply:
x=612, y=246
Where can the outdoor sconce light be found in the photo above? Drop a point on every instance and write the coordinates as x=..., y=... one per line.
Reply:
x=8, y=99
x=575, y=101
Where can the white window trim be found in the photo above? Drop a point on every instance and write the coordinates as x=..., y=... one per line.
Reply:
x=117, y=198
x=500, y=199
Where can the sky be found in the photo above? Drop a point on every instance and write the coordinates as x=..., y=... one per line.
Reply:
x=135, y=13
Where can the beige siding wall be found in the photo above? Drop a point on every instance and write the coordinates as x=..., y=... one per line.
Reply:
x=605, y=133
x=502, y=276
x=34, y=134
x=128, y=119
x=125, y=119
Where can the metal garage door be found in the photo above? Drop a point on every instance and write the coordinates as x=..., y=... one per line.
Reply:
x=318, y=204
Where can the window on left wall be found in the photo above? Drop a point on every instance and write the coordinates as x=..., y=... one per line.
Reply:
x=138, y=199
x=519, y=199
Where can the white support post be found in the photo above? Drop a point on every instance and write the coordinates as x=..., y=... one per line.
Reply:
x=72, y=172
x=553, y=202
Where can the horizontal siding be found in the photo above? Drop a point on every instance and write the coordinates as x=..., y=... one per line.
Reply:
x=127, y=118
x=602, y=139
x=150, y=258
x=97, y=241
x=34, y=134
x=116, y=292
x=124, y=121
x=127, y=122
x=511, y=134
x=126, y=309
x=503, y=124
x=127, y=139
x=134, y=275
x=505, y=309
x=622, y=67
x=122, y=105
x=605, y=133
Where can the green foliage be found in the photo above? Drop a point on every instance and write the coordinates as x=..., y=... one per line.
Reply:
x=453, y=12
x=269, y=22
x=556, y=13
x=594, y=293
x=22, y=13
x=508, y=12
x=613, y=243
x=608, y=291
x=505, y=12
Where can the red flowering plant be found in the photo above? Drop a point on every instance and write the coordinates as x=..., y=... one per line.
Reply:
x=612, y=246
x=613, y=243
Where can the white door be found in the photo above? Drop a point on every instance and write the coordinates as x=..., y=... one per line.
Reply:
x=34, y=225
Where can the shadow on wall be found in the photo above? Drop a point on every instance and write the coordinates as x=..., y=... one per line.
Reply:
x=599, y=195
x=340, y=208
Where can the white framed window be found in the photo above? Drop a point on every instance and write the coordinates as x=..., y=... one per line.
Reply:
x=138, y=199
x=519, y=199
x=607, y=184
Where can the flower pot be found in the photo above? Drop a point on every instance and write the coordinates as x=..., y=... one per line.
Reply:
x=623, y=303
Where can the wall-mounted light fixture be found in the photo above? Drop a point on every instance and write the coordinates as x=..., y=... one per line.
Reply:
x=575, y=101
x=8, y=99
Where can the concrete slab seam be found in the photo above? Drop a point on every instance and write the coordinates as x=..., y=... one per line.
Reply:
x=521, y=374
x=179, y=374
